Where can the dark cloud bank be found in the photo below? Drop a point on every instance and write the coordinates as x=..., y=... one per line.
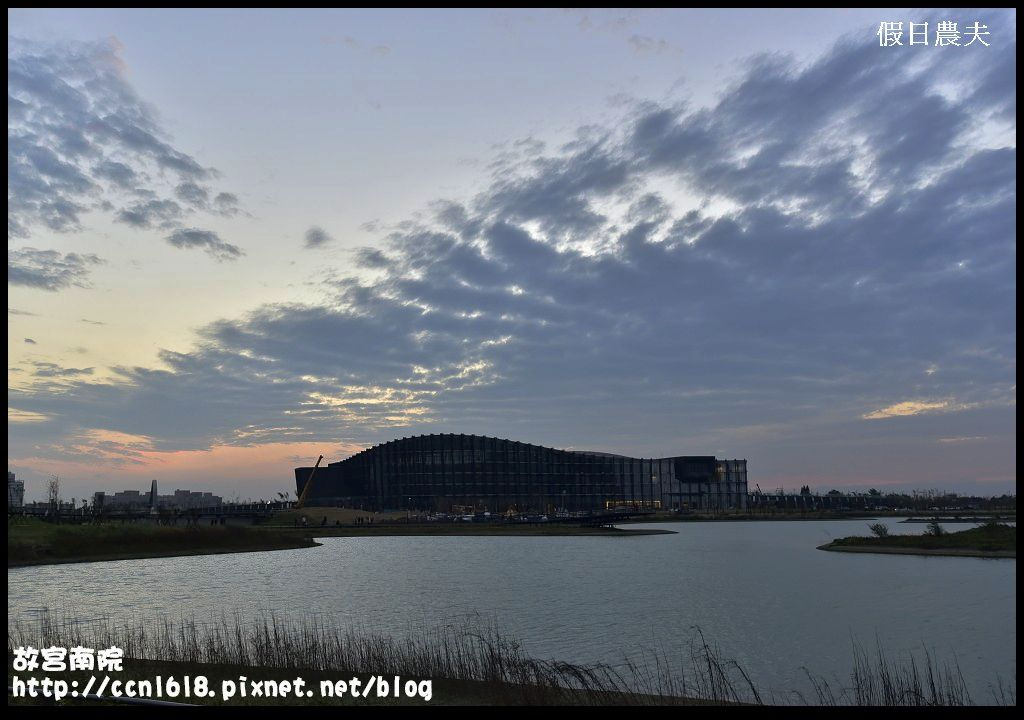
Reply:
x=851, y=246
x=49, y=269
x=79, y=139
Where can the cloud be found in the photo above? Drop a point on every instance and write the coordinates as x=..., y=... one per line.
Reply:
x=52, y=370
x=354, y=44
x=747, y=278
x=18, y=416
x=909, y=407
x=643, y=44
x=151, y=213
x=80, y=138
x=14, y=311
x=193, y=194
x=30, y=341
x=370, y=258
x=121, y=175
x=317, y=237
x=206, y=240
x=49, y=269
x=226, y=204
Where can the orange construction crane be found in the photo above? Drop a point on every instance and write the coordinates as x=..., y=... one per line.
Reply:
x=309, y=484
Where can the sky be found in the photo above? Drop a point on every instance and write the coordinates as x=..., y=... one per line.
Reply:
x=241, y=239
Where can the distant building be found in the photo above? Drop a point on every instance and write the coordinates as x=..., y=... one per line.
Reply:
x=15, y=491
x=185, y=499
x=446, y=472
x=126, y=498
x=143, y=500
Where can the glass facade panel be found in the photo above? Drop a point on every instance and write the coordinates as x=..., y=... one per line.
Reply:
x=445, y=472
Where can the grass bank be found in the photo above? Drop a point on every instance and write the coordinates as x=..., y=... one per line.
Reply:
x=34, y=542
x=775, y=514
x=989, y=540
x=345, y=522
x=474, y=664
x=467, y=529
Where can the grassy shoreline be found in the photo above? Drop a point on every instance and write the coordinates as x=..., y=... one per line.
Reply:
x=33, y=542
x=949, y=552
x=479, y=530
x=989, y=541
x=142, y=555
x=780, y=516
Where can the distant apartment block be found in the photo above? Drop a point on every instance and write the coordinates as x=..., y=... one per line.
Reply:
x=186, y=499
x=142, y=500
x=15, y=491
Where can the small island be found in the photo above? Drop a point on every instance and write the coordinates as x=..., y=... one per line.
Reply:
x=992, y=540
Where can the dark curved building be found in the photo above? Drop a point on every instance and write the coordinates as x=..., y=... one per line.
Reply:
x=456, y=472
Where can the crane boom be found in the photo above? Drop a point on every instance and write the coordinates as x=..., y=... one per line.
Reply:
x=309, y=484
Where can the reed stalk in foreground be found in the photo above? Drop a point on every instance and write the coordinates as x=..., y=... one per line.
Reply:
x=480, y=652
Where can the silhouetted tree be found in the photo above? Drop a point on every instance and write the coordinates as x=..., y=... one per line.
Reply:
x=879, y=529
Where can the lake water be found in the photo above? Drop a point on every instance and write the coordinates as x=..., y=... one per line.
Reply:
x=760, y=591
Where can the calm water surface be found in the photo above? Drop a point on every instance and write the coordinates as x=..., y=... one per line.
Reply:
x=759, y=590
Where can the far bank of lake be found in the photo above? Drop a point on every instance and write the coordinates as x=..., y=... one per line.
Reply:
x=34, y=542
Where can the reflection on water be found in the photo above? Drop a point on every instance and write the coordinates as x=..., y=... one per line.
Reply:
x=759, y=590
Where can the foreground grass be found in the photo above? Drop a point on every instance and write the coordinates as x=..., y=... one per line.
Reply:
x=34, y=542
x=472, y=664
x=442, y=691
x=989, y=540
